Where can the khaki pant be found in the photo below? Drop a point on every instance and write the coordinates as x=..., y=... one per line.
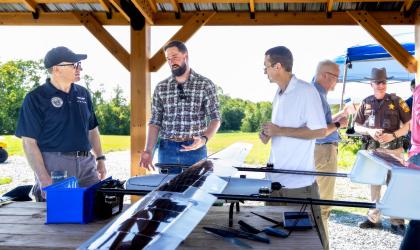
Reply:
x=304, y=192
x=326, y=161
x=374, y=214
x=83, y=168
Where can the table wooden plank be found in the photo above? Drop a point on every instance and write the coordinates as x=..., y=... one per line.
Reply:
x=22, y=227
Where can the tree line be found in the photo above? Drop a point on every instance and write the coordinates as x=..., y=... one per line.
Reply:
x=18, y=77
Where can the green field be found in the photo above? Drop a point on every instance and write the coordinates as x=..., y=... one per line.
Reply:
x=258, y=156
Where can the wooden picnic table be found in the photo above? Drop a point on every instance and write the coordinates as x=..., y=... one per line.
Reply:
x=22, y=227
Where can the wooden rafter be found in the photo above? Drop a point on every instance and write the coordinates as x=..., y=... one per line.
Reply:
x=252, y=6
x=219, y=19
x=364, y=19
x=108, y=41
x=273, y=1
x=175, y=5
x=153, y=5
x=330, y=5
x=105, y=5
x=117, y=5
x=188, y=29
x=144, y=7
x=214, y=1
x=407, y=5
x=30, y=4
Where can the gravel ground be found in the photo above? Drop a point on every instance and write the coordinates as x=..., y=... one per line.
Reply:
x=343, y=229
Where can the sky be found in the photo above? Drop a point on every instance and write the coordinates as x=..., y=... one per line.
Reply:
x=231, y=56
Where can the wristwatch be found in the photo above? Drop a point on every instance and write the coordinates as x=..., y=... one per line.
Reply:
x=337, y=124
x=102, y=157
x=205, y=138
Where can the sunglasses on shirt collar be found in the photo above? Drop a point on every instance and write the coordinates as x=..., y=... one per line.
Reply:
x=181, y=92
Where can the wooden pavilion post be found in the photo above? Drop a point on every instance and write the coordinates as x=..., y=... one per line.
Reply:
x=140, y=94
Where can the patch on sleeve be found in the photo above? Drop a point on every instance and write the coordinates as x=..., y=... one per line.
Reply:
x=404, y=106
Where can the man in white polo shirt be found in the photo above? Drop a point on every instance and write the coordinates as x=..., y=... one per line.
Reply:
x=297, y=120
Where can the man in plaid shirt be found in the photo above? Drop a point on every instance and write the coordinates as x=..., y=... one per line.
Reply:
x=185, y=111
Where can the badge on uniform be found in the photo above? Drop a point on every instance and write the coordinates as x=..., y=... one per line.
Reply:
x=371, y=121
x=391, y=106
x=57, y=102
x=404, y=106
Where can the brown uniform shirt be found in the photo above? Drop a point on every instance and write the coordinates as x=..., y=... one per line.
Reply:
x=388, y=113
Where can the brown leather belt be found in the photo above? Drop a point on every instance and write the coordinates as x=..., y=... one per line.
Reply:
x=177, y=139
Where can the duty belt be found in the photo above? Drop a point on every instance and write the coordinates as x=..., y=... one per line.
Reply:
x=371, y=144
x=76, y=153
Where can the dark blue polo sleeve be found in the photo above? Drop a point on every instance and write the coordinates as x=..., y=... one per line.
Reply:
x=93, y=122
x=30, y=118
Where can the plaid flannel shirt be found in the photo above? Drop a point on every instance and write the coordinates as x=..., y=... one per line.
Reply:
x=188, y=117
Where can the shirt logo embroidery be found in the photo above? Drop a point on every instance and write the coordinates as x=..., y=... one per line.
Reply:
x=81, y=99
x=57, y=102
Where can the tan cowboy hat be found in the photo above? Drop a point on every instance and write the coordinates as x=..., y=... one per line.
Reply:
x=378, y=75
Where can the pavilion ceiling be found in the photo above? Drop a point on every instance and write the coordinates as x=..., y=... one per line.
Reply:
x=226, y=12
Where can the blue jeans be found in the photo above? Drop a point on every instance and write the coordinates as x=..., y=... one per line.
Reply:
x=411, y=238
x=169, y=153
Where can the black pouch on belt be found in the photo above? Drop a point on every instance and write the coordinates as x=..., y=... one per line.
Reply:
x=107, y=205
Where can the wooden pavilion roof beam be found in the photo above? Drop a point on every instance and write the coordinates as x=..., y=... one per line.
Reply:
x=364, y=19
x=274, y=1
x=30, y=5
x=175, y=6
x=105, y=5
x=219, y=19
x=285, y=18
x=407, y=5
x=330, y=5
x=186, y=32
x=117, y=5
x=153, y=5
x=144, y=7
x=252, y=8
x=108, y=41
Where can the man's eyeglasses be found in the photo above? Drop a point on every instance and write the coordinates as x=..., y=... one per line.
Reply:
x=269, y=66
x=76, y=65
x=182, y=94
x=332, y=74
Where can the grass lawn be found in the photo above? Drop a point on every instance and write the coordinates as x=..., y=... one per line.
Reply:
x=258, y=156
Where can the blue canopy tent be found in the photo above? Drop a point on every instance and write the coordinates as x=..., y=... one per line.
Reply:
x=359, y=61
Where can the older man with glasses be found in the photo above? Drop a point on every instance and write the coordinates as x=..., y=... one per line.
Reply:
x=185, y=114
x=383, y=119
x=58, y=126
x=326, y=148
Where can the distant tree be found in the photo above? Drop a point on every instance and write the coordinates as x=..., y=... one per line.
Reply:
x=114, y=116
x=255, y=115
x=16, y=79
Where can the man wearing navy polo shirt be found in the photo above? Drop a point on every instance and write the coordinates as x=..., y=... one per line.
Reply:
x=58, y=125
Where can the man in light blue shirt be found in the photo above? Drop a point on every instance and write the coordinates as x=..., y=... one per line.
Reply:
x=326, y=148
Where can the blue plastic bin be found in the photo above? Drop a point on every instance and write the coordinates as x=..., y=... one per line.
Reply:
x=69, y=203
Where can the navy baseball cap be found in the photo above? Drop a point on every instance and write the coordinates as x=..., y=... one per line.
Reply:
x=61, y=54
